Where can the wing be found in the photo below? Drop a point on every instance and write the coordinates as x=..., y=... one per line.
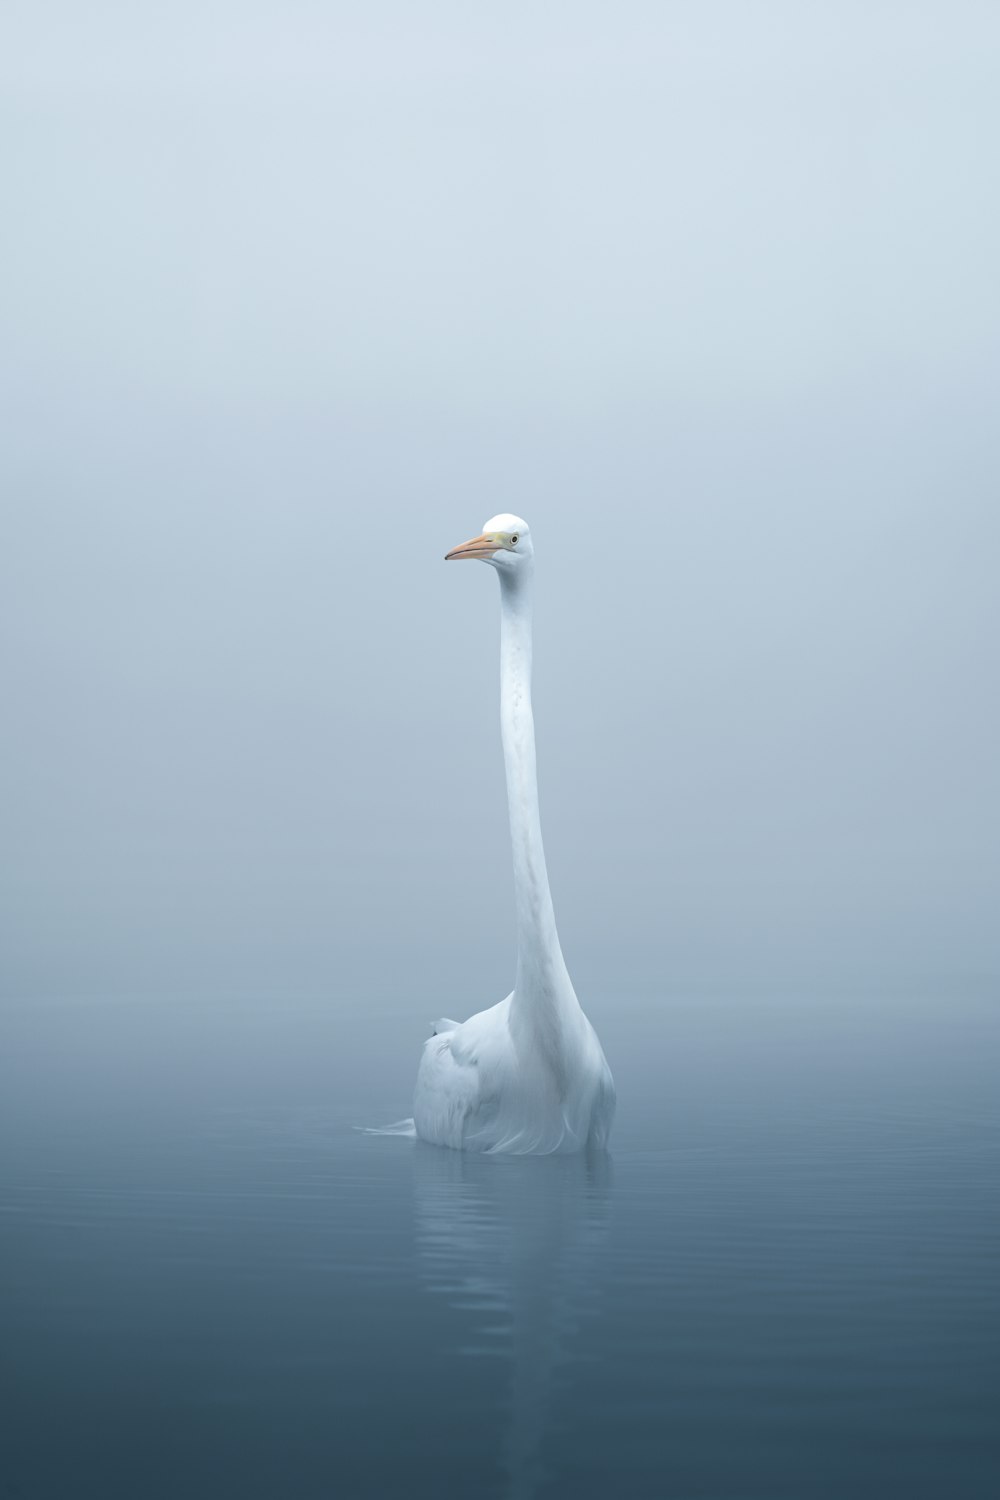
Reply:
x=456, y=1089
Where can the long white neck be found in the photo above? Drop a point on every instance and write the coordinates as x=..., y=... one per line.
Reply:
x=542, y=986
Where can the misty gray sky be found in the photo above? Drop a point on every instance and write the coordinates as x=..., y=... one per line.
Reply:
x=295, y=295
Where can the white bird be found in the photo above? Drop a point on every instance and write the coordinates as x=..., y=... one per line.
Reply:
x=527, y=1075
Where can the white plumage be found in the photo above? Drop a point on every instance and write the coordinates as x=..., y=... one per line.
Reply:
x=527, y=1075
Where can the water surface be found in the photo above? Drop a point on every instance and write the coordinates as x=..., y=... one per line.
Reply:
x=783, y=1281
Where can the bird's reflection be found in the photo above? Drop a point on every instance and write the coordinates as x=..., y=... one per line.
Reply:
x=515, y=1244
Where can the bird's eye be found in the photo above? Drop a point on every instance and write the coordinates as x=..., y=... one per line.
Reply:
x=513, y=540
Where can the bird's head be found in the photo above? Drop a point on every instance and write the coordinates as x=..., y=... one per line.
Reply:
x=504, y=541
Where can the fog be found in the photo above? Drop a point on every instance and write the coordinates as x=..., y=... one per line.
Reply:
x=296, y=296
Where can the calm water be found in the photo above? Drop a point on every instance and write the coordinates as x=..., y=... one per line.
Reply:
x=783, y=1282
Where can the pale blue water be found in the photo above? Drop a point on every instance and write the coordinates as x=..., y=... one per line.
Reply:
x=783, y=1282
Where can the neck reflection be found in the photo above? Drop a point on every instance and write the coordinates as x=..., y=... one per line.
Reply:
x=514, y=1246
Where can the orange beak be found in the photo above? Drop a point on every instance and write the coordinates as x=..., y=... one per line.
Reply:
x=480, y=546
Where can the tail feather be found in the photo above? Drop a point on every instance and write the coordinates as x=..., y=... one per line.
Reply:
x=401, y=1127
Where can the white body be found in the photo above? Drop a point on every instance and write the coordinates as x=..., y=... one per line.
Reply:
x=527, y=1075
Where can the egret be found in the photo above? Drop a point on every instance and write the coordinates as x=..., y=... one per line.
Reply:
x=528, y=1075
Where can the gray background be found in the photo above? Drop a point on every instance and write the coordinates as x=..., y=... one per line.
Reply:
x=294, y=296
